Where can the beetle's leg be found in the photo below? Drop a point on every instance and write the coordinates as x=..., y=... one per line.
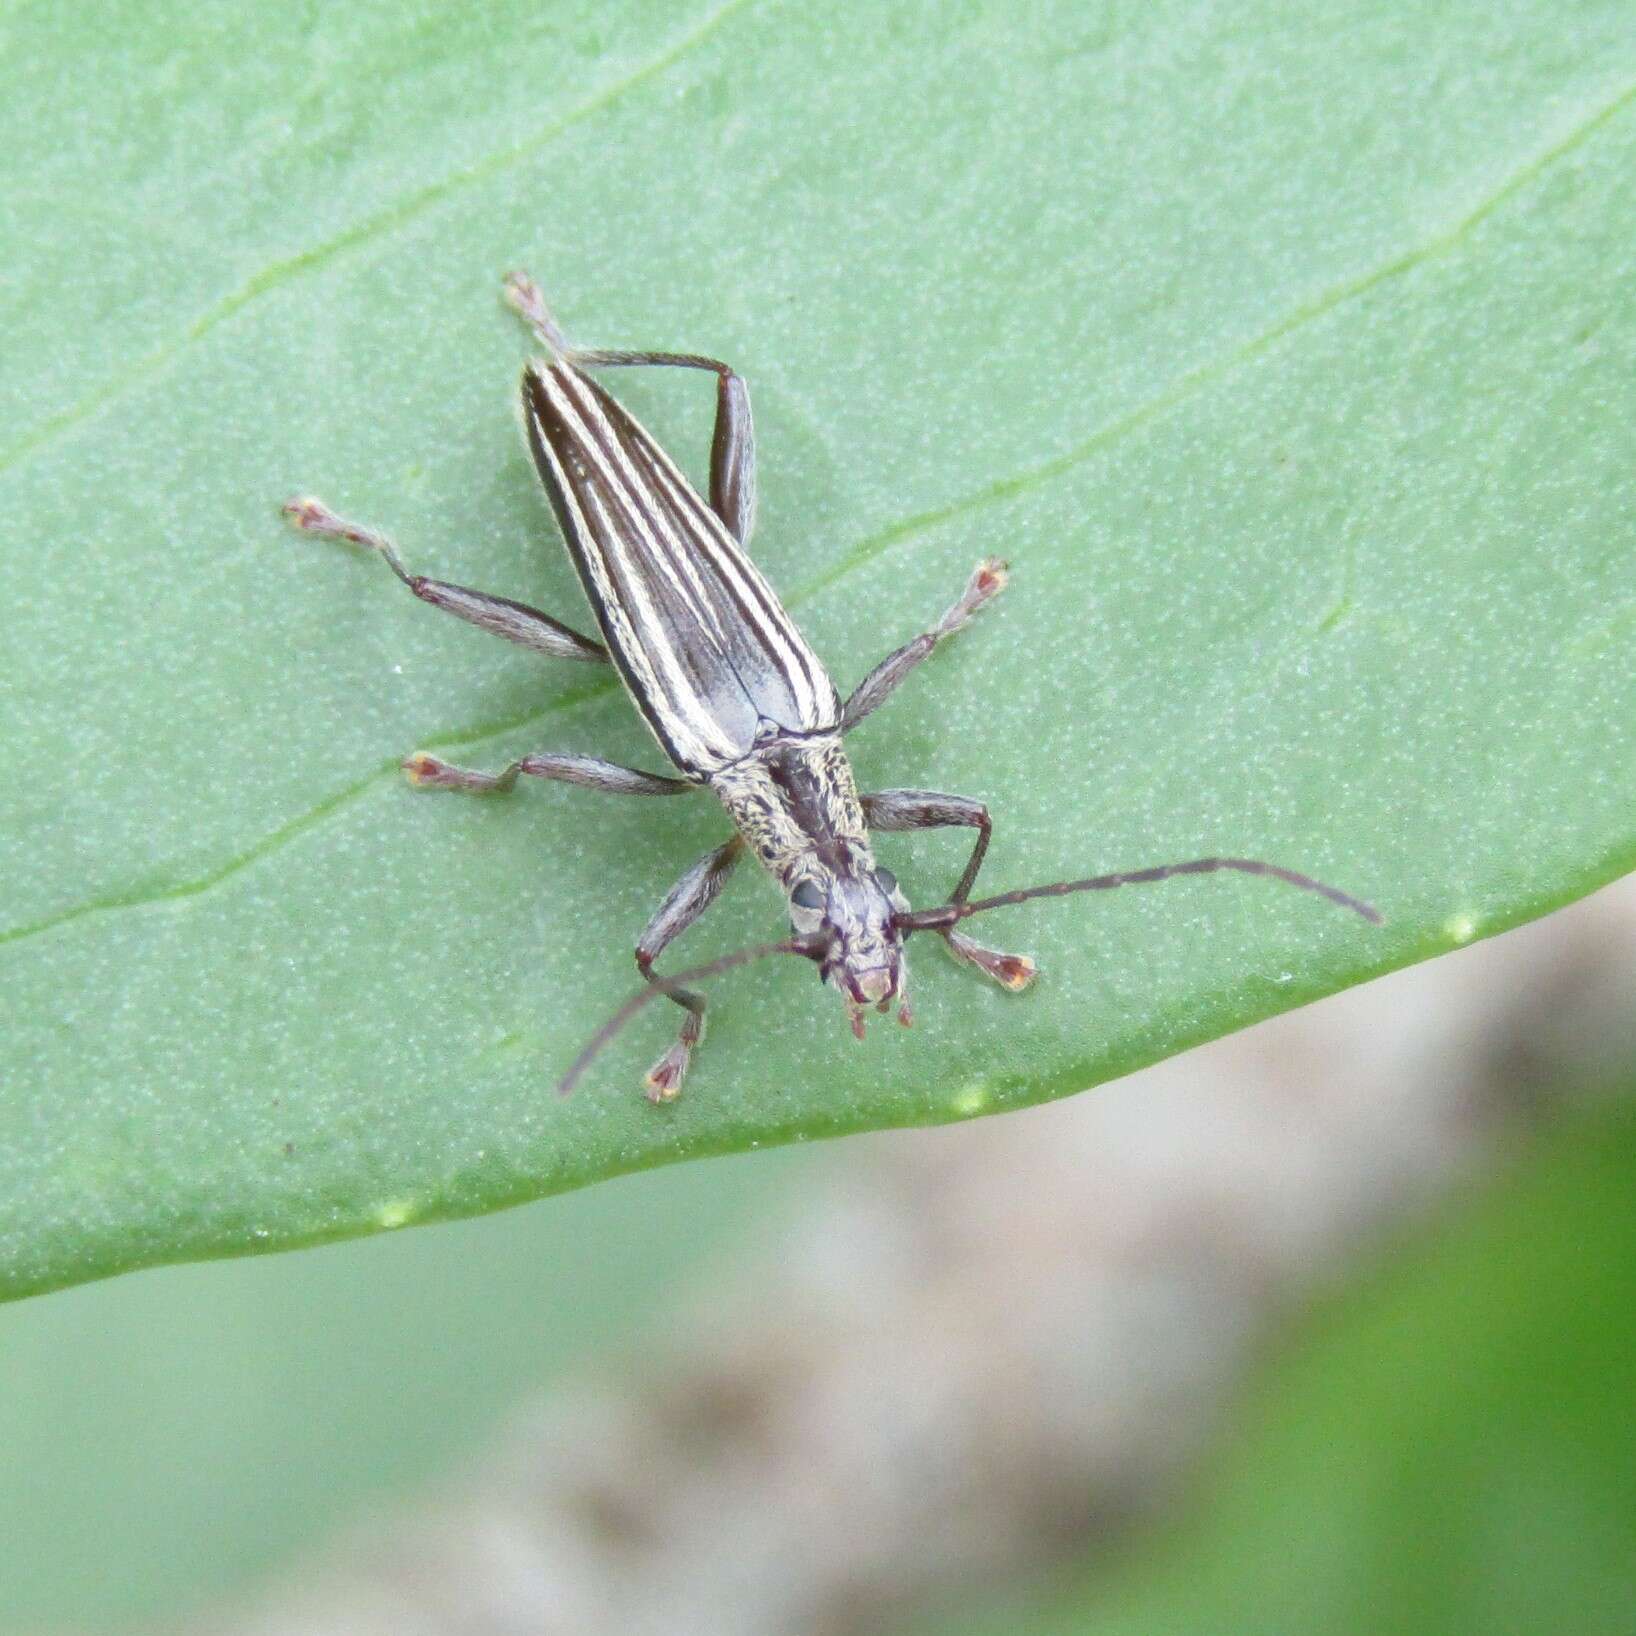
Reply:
x=687, y=900
x=987, y=580
x=930, y=809
x=732, y=447
x=927, y=809
x=515, y=621
x=431, y=773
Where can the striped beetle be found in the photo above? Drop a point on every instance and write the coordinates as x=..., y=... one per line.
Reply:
x=735, y=696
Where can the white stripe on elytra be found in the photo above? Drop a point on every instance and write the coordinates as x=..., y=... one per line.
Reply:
x=669, y=686
x=692, y=747
x=821, y=704
x=612, y=607
x=707, y=535
x=680, y=532
x=790, y=654
x=702, y=536
x=808, y=681
x=619, y=482
x=670, y=554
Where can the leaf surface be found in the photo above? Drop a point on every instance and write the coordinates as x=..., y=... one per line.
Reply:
x=1292, y=367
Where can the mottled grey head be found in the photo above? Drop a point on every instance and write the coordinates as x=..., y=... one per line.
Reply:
x=850, y=904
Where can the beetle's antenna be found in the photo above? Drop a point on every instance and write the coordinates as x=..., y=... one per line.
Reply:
x=924, y=920
x=811, y=947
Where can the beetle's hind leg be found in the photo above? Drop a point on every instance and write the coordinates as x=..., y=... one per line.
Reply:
x=686, y=901
x=733, y=444
x=515, y=621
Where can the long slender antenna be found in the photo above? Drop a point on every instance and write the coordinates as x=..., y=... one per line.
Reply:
x=811, y=947
x=949, y=914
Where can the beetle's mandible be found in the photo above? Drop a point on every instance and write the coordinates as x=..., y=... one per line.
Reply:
x=735, y=696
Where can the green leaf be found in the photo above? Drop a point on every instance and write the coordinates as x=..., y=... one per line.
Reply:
x=1291, y=367
x=1450, y=1449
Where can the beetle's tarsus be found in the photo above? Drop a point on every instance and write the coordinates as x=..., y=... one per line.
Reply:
x=308, y=513
x=664, y=1079
x=524, y=297
x=1011, y=971
x=427, y=772
x=988, y=579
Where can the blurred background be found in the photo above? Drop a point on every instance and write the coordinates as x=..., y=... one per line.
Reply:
x=1328, y=1325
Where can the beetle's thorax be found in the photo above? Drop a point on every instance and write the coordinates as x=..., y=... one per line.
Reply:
x=792, y=797
x=796, y=804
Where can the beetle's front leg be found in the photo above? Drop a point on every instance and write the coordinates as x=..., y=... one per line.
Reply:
x=928, y=809
x=688, y=899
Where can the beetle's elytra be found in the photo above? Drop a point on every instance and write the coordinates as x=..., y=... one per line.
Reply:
x=735, y=696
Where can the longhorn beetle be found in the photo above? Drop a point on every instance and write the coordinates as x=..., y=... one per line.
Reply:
x=737, y=699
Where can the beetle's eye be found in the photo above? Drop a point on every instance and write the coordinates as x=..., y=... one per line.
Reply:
x=887, y=881
x=807, y=896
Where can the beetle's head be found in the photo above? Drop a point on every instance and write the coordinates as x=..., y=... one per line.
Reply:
x=848, y=904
